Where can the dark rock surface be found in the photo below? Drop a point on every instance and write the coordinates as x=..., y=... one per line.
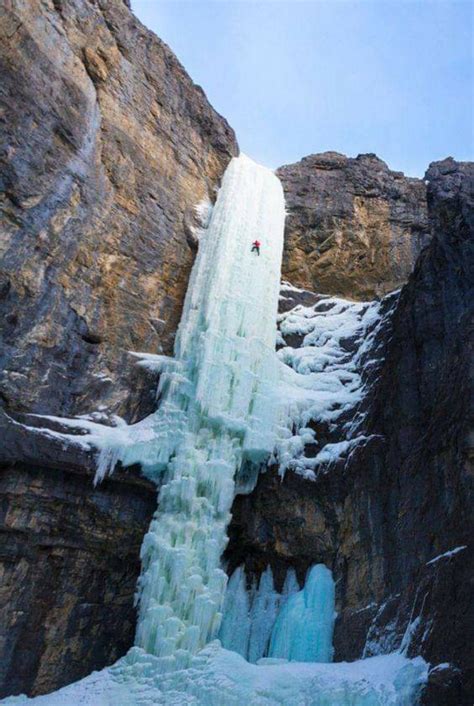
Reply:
x=406, y=496
x=354, y=227
x=69, y=561
x=106, y=146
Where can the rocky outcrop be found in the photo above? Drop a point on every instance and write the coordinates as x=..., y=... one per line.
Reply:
x=387, y=519
x=107, y=146
x=354, y=228
x=69, y=561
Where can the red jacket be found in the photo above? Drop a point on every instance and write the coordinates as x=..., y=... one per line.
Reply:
x=256, y=243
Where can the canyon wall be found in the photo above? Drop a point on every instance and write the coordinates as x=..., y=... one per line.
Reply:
x=107, y=146
x=379, y=517
x=69, y=562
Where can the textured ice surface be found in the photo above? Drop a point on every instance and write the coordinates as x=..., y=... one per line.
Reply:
x=293, y=625
x=250, y=614
x=218, y=677
x=217, y=409
x=305, y=624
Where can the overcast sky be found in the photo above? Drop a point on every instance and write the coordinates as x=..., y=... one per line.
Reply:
x=393, y=77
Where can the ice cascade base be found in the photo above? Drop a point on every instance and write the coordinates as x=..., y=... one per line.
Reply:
x=218, y=677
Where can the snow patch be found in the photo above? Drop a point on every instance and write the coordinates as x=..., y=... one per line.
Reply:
x=321, y=380
x=446, y=555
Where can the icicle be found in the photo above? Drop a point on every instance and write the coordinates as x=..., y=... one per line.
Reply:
x=249, y=615
x=304, y=628
x=264, y=611
x=235, y=629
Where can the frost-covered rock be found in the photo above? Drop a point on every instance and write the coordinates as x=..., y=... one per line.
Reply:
x=327, y=349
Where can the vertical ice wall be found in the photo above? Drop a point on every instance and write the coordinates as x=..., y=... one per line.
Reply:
x=216, y=410
x=294, y=625
x=249, y=614
x=305, y=625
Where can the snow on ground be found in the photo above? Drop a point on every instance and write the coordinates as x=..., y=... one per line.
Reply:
x=218, y=677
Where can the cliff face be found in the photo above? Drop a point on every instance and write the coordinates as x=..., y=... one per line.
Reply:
x=107, y=145
x=69, y=562
x=354, y=228
x=404, y=498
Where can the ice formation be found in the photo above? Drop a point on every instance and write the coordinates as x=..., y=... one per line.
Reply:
x=217, y=410
x=292, y=625
x=250, y=614
x=219, y=677
x=221, y=412
x=321, y=380
x=305, y=625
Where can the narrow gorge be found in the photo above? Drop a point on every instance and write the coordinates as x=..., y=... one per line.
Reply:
x=227, y=476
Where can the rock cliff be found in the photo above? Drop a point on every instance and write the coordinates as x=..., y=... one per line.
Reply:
x=107, y=146
x=386, y=518
x=354, y=228
x=69, y=562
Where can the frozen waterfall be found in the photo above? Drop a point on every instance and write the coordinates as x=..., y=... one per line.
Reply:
x=218, y=417
x=216, y=411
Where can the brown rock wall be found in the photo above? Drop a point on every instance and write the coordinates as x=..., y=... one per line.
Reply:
x=354, y=228
x=107, y=145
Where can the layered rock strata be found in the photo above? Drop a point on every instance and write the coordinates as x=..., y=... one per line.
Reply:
x=69, y=561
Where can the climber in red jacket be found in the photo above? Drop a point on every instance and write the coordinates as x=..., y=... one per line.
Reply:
x=256, y=246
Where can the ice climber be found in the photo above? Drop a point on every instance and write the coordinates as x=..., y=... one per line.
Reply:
x=256, y=246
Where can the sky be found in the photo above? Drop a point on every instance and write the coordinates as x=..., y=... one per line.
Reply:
x=394, y=77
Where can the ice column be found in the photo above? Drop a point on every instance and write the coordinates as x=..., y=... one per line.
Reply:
x=217, y=410
x=249, y=615
x=304, y=628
